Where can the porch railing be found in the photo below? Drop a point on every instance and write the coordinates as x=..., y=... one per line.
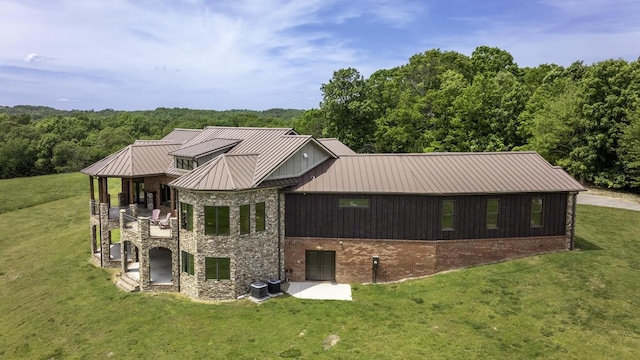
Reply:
x=130, y=222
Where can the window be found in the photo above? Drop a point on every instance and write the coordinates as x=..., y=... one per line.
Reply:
x=187, y=263
x=260, y=216
x=245, y=214
x=536, y=212
x=186, y=216
x=218, y=268
x=353, y=203
x=185, y=164
x=216, y=220
x=447, y=214
x=493, y=213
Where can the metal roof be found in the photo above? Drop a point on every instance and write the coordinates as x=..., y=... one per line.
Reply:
x=438, y=173
x=134, y=160
x=225, y=172
x=182, y=135
x=273, y=146
x=336, y=146
x=204, y=148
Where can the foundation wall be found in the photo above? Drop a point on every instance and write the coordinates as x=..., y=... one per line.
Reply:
x=401, y=259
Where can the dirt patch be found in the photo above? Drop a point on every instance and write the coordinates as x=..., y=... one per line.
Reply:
x=330, y=341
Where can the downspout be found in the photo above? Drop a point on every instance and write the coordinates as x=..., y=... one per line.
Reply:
x=279, y=240
x=573, y=221
x=99, y=235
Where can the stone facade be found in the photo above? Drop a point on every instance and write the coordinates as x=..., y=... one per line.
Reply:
x=254, y=256
x=571, y=219
x=402, y=259
x=141, y=238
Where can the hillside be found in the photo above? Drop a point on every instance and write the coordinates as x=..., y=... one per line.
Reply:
x=54, y=304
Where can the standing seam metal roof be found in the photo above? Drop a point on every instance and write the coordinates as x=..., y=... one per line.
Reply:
x=134, y=160
x=438, y=173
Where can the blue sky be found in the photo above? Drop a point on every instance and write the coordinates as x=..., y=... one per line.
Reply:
x=243, y=54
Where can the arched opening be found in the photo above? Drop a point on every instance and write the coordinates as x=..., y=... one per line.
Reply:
x=114, y=244
x=160, y=266
x=132, y=263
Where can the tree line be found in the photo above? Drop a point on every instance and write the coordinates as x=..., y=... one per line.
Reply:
x=38, y=140
x=584, y=118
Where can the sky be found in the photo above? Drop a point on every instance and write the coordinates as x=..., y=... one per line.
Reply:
x=262, y=54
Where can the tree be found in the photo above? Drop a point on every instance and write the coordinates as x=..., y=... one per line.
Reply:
x=348, y=111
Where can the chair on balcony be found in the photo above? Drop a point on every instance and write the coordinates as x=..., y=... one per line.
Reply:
x=155, y=217
x=164, y=223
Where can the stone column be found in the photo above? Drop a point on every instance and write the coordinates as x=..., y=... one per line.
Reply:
x=570, y=219
x=150, y=200
x=105, y=241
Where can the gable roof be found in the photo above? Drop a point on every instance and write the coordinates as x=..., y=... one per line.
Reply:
x=225, y=172
x=438, y=173
x=271, y=146
x=138, y=159
x=336, y=146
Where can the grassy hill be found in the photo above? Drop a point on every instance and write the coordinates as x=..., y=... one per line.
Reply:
x=54, y=304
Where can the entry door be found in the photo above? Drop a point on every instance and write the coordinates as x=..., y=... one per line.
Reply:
x=320, y=265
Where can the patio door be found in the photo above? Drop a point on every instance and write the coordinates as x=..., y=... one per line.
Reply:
x=320, y=265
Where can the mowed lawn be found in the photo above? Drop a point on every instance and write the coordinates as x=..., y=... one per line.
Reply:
x=583, y=304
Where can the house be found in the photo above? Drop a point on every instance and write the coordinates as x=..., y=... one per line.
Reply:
x=247, y=204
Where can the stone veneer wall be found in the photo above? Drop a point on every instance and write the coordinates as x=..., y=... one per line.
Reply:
x=401, y=259
x=254, y=256
x=570, y=219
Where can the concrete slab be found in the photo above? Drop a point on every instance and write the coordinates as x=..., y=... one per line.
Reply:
x=318, y=290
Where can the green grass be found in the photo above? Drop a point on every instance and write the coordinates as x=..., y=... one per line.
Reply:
x=571, y=305
x=22, y=193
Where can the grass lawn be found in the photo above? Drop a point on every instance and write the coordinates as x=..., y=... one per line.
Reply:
x=583, y=304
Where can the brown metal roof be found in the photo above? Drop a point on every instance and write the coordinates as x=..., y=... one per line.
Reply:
x=336, y=146
x=182, y=135
x=438, y=173
x=225, y=172
x=134, y=160
x=205, y=147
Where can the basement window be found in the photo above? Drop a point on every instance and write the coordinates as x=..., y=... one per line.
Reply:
x=353, y=203
x=218, y=268
x=188, y=263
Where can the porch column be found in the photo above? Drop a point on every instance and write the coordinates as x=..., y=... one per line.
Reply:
x=103, y=188
x=91, y=188
x=130, y=182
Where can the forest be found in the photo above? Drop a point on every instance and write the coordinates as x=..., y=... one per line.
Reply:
x=584, y=118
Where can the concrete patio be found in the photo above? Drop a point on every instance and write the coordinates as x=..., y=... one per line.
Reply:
x=318, y=290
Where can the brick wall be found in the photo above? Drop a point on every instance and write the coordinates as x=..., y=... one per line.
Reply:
x=402, y=259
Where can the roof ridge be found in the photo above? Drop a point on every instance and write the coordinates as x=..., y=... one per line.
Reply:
x=452, y=153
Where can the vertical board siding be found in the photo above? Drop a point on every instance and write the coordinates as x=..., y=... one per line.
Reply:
x=418, y=217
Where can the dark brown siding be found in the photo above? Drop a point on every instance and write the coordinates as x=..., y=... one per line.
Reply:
x=414, y=217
